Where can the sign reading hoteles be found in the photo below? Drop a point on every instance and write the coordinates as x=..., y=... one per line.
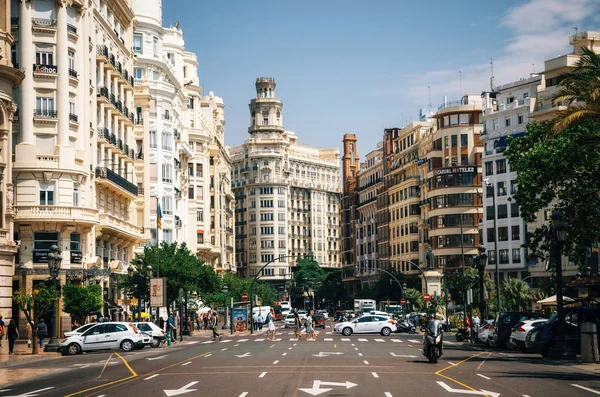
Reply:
x=158, y=292
x=44, y=68
x=455, y=170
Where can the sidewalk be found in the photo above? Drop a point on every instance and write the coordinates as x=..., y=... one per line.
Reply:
x=22, y=354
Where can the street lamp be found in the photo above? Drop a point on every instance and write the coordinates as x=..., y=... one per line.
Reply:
x=225, y=290
x=479, y=263
x=54, y=262
x=130, y=271
x=560, y=350
x=496, y=254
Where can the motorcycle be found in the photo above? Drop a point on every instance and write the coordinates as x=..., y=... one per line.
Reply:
x=462, y=334
x=405, y=326
x=432, y=341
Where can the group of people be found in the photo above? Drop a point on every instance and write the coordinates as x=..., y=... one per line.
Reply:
x=11, y=333
x=308, y=323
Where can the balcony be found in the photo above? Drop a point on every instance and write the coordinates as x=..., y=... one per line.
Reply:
x=229, y=230
x=119, y=225
x=116, y=179
x=36, y=213
x=44, y=113
x=113, y=139
x=103, y=133
x=177, y=194
x=120, y=144
x=102, y=92
x=102, y=51
x=229, y=248
x=73, y=117
x=112, y=59
x=73, y=73
x=139, y=121
x=43, y=22
x=229, y=211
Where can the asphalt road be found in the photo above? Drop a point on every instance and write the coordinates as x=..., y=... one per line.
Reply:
x=248, y=366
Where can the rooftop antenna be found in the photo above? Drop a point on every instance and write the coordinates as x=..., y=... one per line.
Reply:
x=533, y=66
x=576, y=28
x=460, y=82
x=492, y=85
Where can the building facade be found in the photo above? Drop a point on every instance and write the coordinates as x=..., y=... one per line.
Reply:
x=287, y=195
x=10, y=78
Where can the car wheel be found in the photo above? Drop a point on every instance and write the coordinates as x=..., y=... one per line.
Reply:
x=73, y=349
x=155, y=342
x=127, y=345
x=386, y=331
x=347, y=331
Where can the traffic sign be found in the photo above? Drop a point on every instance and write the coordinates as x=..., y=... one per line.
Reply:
x=403, y=301
x=426, y=297
x=244, y=297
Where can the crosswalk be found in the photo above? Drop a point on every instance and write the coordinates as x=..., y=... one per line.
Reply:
x=348, y=340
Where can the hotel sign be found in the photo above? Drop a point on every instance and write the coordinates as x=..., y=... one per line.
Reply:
x=455, y=170
x=44, y=69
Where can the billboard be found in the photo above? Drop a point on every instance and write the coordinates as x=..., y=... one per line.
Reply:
x=158, y=292
x=240, y=316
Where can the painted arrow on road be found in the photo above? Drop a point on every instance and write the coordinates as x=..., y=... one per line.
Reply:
x=32, y=393
x=156, y=358
x=243, y=355
x=463, y=391
x=181, y=390
x=325, y=354
x=316, y=387
x=402, y=355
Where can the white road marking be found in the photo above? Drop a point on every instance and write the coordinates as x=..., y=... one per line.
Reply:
x=353, y=344
x=262, y=375
x=192, y=343
x=328, y=339
x=396, y=340
x=278, y=340
x=356, y=348
x=184, y=364
x=226, y=340
x=586, y=388
x=289, y=348
x=379, y=340
x=375, y=375
x=223, y=349
x=208, y=341
x=244, y=394
x=451, y=363
x=275, y=362
x=413, y=341
x=366, y=362
x=483, y=376
x=284, y=354
x=363, y=340
x=3, y=390
x=243, y=340
x=259, y=340
x=152, y=376
x=236, y=345
x=464, y=391
x=156, y=358
x=360, y=354
x=388, y=394
x=295, y=344
x=409, y=345
x=449, y=343
x=292, y=339
x=208, y=355
x=345, y=340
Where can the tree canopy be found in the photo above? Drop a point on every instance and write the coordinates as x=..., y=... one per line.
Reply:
x=308, y=274
x=80, y=301
x=35, y=306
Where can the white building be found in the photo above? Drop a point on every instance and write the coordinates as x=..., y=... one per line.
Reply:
x=506, y=113
x=287, y=194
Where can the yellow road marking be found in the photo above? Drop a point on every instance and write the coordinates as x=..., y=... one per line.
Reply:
x=483, y=362
x=100, y=386
x=272, y=345
x=290, y=372
x=334, y=346
x=126, y=364
x=439, y=373
x=105, y=364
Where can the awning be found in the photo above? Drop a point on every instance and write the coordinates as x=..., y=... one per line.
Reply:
x=94, y=261
x=116, y=266
x=200, y=231
x=551, y=300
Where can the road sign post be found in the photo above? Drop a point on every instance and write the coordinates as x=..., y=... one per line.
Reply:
x=426, y=297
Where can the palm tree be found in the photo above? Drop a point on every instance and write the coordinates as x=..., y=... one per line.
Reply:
x=516, y=294
x=580, y=90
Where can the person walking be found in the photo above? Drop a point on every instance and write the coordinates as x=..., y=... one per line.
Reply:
x=297, y=324
x=42, y=331
x=313, y=332
x=261, y=321
x=215, y=324
x=1, y=331
x=309, y=325
x=271, y=324
x=29, y=332
x=171, y=328
x=12, y=335
x=205, y=321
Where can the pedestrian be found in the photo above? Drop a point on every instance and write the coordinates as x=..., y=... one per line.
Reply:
x=29, y=332
x=255, y=321
x=1, y=331
x=313, y=332
x=271, y=324
x=261, y=321
x=161, y=323
x=205, y=321
x=12, y=335
x=74, y=325
x=215, y=324
x=308, y=323
x=297, y=324
x=42, y=331
x=171, y=328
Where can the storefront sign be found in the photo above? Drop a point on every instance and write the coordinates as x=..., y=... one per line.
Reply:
x=40, y=256
x=455, y=170
x=158, y=292
x=45, y=69
x=76, y=256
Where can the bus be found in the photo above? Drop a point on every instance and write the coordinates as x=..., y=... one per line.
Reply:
x=277, y=310
x=364, y=306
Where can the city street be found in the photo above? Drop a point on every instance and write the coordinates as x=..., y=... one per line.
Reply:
x=246, y=366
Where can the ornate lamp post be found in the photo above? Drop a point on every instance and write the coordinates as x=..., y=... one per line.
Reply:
x=479, y=263
x=225, y=290
x=54, y=262
x=561, y=350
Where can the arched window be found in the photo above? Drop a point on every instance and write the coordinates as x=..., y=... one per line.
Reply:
x=265, y=114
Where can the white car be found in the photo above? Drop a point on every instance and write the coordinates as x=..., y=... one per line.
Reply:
x=79, y=330
x=366, y=324
x=290, y=321
x=324, y=313
x=378, y=313
x=485, y=330
x=302, y=314
x=104, y=336
x=520, y=330
x=156, y=334
x=285, y=312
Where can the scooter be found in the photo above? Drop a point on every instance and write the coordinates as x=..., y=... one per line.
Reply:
x=432, y=341
x=405, y=326
x=462, y=334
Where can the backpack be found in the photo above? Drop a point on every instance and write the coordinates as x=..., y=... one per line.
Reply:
x=269, y=318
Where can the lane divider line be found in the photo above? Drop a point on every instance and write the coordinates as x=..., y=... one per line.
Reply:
x=366, y=362
x=126, y=364
x=262, y=375
x=150, y=377
x=244, y=394
x=275, y=362
x=586, y=388
x=484, y=377
x=184, y=364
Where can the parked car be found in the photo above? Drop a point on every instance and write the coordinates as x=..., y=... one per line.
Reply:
x=290, y=321
x=366, y=324
x=156, y=334
x=79, y=330
x=319, y=320
x=302, y=314
x=504, y=323
x=484, y=331
x=520, y=330
x=541, y=339
x=104, y=336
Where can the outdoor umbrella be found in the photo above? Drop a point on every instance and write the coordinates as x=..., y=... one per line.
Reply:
x=551, y=300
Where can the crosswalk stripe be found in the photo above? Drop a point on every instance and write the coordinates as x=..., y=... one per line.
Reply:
x=226, y=340
x=208, y=341
x=379, y=340
x=396, y=340
x=243, y=340
x=292, y=339
x=345, y=340
x=328, y=339
x=363, y=340
x=413, y=341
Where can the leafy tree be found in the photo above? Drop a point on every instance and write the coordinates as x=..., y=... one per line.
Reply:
x=415, y=298
x=236, y=286
x=80, y=301
x=580, y=90
x=332, y=290
x=182, y=270
x=515, y=295
x=35, y=306
x=563, y=173
x=308, y=275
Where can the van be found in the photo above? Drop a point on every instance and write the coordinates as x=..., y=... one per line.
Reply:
x=540, y=340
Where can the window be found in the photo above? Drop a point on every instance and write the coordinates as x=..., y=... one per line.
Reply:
x=491, y=256
x=507, y=122
x=167, y=173
x=44, y=54
x=516, y=233
x=501, y=189
x=200, y=238
x=152, y=139
x=155, y=46
x=520, y=119
x=265, y=114
x=464, y=159
x=167, y=205
x=489, y=191
x=464, y=139
x=200, y=215
x=489, y=168
x=503, y=233
x=13, y=54
x=514, y=210
x=71, y=60
x=138, y=73
x=199, y=171
x=191, y=195
x=454, y=140
x=190, y=103
x=454, y=119
x=171, y=58
x=281, y=203
x=503, y=254
x=516, y=255
x=489, y=210
x=513, y=187
x=199, y=192
x=46, y=193
x=44, y=105
x=168, y=236
x=166, y=140
x=75, y=195
x=500, y=166
x=502, y=211
x=491, y=235
x=75, y=242
x=137, y=43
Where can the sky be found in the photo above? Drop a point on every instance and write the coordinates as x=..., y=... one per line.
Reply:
x=346, y=66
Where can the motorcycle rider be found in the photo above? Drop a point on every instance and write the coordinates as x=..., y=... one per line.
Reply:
x=434, y=323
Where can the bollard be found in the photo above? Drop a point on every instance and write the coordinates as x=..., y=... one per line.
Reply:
x=169, y=338
x=589, y=343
